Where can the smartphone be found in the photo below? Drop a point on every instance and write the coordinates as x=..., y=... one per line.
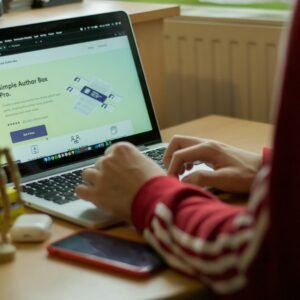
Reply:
x=109, y=252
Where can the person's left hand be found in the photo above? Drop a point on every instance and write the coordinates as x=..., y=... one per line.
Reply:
x=117, y=176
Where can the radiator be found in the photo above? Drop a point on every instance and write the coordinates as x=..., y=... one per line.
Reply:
x=220, y=68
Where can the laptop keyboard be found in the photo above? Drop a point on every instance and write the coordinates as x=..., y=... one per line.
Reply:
x=157, y=155
x=60, y=189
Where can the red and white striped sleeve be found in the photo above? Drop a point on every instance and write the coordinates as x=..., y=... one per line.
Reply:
x=199, y=235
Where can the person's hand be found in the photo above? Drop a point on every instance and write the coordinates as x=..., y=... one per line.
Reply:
x=113, y=182
x=234, y=168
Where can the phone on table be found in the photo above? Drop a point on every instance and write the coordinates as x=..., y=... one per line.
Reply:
x=108, y=252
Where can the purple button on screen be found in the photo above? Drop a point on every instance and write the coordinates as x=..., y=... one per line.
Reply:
x=93, y=94
x=28, y=133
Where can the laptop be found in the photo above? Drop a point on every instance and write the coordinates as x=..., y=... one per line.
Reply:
x=68, y=90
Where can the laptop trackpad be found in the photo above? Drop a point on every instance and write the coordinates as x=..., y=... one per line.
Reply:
x=88, y=214
x=94, y=214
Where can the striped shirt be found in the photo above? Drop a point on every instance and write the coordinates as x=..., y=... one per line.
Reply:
x=199, y=235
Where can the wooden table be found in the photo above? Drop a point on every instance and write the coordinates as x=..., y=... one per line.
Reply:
x=35, y=276
x=147, y=20
x=249, y=135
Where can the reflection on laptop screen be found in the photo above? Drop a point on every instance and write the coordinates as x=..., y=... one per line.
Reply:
x=64, y=92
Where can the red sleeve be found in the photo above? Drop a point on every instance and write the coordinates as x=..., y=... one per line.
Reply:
x=267, y=155
x=198, y=234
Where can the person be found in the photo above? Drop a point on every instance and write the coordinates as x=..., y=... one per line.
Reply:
x=249, y=252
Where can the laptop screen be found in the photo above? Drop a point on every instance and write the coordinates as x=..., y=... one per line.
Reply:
x=69, y=89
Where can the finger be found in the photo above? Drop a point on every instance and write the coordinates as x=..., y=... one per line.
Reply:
x=119, y=145
x=202, y=152
x=223, y=179
x=85, y=192
x=181, y=171
x=90, y=176
x=110, y=149
x=189, y=166
x=179, y=142
x=202, y=178
x=99, y=162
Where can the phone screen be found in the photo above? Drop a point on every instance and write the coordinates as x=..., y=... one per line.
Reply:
x=117, y=251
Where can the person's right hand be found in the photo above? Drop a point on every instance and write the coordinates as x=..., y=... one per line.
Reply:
x=234, y=168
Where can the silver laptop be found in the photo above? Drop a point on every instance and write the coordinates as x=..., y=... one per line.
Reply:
x=68, y=90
